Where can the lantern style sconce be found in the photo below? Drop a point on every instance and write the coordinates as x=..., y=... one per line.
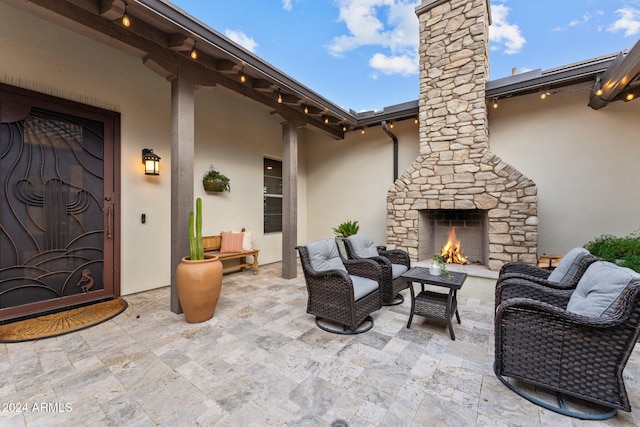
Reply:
x=151, y=162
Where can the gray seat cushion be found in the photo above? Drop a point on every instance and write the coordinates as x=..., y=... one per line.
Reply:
x=599, y=289
x=398, y=270
x=568, y=266
x=324, y=255
x=362, y=286
x=363, y=245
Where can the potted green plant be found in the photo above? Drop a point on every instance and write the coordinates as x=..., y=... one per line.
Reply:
x=439, y=266
x=198, y=276
x=347, y=228
x=216, y=181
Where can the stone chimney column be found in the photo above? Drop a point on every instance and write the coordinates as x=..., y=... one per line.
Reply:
x=454, y=69
x=455, y=170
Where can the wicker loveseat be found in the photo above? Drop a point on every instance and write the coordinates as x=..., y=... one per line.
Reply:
x=394, y=263
x=340, y=291
x=575, y=342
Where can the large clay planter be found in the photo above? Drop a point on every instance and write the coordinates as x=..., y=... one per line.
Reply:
x=199, y=284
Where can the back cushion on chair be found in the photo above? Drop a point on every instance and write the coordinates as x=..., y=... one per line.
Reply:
x=568, y=266
x=599, y=289
x=324, y=255
x=363, y=245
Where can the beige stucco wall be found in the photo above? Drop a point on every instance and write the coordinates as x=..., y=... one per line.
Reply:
x=584, y=162
x=231, y=132
x=349, y=179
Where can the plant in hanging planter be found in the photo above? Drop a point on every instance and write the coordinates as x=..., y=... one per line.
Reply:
x=216, y=181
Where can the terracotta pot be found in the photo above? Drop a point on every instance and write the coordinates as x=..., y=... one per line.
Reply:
x=198, y=284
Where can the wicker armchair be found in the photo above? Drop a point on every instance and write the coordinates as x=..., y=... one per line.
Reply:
x=541, y=339
x=394, y=263
x=343, y=292
x=565, y=276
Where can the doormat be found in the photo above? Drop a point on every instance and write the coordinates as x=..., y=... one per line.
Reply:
x=63, y=322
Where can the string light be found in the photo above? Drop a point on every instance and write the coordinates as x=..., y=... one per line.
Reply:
x=415, y=121
x=306, y=109
x=326, y=120
x=279, y=97
x=125, y=18
x=194, y=52
x=362, y=131
x=599, y=92
x=494, y=103
x=344, y=128
x=243, y=78
x=629, y=96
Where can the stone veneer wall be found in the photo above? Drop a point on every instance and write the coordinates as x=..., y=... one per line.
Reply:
x=455, y=169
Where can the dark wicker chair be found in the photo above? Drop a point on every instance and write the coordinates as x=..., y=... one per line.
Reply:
x=539, y=342
x=565, y=276
x=394, y=263
x=335, y=288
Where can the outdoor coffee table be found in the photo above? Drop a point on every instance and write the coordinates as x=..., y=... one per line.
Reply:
x=435, y=305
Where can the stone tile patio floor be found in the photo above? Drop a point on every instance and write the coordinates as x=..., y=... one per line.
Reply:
x=261, y=361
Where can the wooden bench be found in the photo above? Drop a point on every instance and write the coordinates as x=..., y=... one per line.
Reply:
x=211, y=245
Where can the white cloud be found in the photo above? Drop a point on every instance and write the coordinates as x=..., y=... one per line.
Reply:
x=503, y=34
x=404, y=65
x=390, y=25
x=242, y=39
x=629, y=22
x=286, y=4
x=583, y=20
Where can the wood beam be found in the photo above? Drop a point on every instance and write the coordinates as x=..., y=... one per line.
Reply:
x=182, y=170
x=111, y=9
x=226, y=66
x=289, y=200
x=164, y=69
x=180, y=42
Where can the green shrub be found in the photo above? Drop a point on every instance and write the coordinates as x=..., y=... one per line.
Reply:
x=347, y=228
x=624, y=251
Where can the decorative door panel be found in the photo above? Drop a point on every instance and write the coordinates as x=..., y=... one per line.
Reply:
x=56, y=205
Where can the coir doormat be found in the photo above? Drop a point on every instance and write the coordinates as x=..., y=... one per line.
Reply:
x=63, y=322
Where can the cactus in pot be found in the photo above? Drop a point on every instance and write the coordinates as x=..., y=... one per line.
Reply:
x=196, y=250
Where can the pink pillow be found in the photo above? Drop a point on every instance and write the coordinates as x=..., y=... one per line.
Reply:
x=231, y=242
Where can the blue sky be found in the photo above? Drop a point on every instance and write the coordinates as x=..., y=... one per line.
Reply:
x=362, y=54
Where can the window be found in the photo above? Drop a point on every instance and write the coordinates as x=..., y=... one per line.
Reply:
x=272, y=195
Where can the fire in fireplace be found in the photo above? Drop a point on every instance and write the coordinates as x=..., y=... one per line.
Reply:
x=451, y=252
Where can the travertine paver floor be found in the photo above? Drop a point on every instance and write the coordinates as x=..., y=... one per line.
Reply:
x=261, y=361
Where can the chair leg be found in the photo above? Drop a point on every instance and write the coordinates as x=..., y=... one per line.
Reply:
x=366, y=324
x=561, y=408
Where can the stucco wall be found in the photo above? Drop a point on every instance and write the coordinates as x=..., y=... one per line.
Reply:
x=231, y=132
x=584, y=162
x=348, y=180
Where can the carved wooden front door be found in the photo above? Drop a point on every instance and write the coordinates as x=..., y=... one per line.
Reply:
x=57, y=199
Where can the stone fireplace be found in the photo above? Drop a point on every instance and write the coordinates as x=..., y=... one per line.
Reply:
x=456, y=174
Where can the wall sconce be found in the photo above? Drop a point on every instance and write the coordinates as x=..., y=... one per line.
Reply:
x=151, y=162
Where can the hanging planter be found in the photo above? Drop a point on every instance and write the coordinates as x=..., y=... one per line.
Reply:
x=215, y=181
